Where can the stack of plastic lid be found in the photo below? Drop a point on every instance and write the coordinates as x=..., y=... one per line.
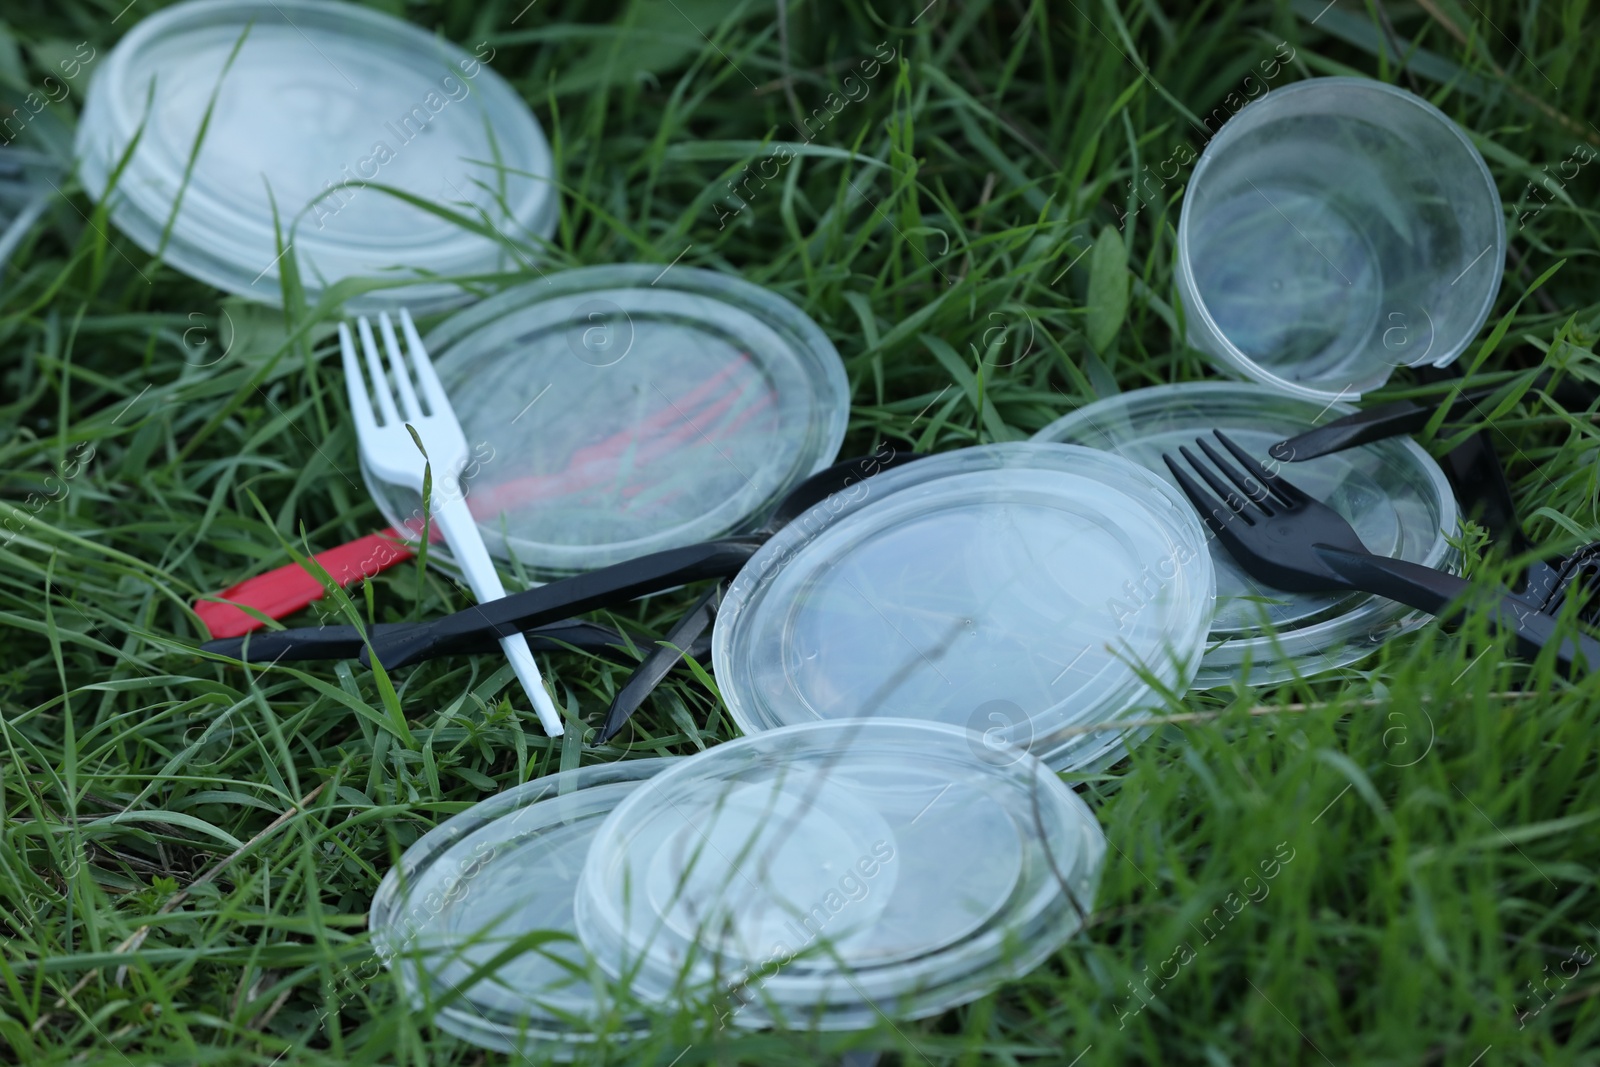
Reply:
x=824, y=875
x=1031, y=592
x=477, y=919
x=261, y=117
x=1391, y=491
x=618, y=410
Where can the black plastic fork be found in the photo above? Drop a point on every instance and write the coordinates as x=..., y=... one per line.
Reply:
x=1287, y=539
x=1479, y=480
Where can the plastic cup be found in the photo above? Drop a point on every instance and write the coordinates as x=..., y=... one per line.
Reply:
x=1336, y=229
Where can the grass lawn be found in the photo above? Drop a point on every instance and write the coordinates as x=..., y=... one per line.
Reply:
x=188, y=850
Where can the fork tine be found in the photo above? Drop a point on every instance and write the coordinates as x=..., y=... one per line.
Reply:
x=380, y=381
x=1203, y=502
x=1279, y=484
x=1239, y=505
x=356, y=385
x=432, y=389
x=402, y=372
x=1250, y=487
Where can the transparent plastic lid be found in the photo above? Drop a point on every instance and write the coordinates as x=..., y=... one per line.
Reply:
x=477, y=919
x=827, y=874
x=1392, y=492
x=1030, y=592
x=618, y=410
x=297, y=98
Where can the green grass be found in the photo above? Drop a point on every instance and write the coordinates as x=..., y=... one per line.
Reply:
x=188, y=850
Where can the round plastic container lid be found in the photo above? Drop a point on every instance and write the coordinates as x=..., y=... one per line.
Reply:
x=823, y=874
x=1392, y=492
x=497, y=876
x=618, y=410
x=1019, y=590
x=307, y=95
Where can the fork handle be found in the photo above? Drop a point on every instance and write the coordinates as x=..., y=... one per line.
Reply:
x=304, y=643
x=1434, y=591
x=461, y=533
x=573, y=595
x=460, y=530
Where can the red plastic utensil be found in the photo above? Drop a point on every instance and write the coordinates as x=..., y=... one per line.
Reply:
x=282, y=592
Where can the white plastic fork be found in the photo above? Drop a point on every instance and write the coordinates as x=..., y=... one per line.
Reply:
x=392, y=456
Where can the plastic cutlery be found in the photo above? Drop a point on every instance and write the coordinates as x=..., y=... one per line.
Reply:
x=1286, y=538
x=285, y=590
x=470, y=631
x=393, y=455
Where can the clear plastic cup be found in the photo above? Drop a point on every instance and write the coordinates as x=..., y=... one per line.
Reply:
x=1336, y=229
